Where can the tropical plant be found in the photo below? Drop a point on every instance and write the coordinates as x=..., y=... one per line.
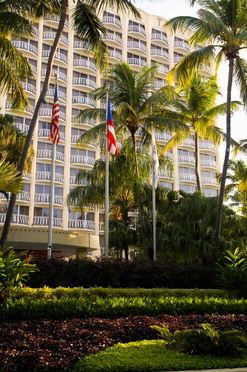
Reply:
x=14, y=270
x=236, y=190
x=88, y=27
x=195, y=107
x=221, y=26
x=10, y=180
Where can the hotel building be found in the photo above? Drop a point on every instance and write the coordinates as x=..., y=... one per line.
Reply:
x=139, y=42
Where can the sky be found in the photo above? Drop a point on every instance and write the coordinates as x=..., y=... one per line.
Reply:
x=173, y=8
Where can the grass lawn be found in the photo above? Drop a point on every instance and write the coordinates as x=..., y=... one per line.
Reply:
x=151, y=356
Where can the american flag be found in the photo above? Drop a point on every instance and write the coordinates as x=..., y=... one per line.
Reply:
x=54, y=128
x=112, y=142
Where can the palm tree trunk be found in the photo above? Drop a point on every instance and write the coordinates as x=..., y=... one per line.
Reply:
x=227, y=152
x=133, y=138
x=41, y=99
x=197, y=155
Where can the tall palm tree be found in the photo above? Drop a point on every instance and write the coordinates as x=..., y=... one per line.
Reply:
x=195, y=107
x=221, y=26
x=236, y=189
x=88, y=27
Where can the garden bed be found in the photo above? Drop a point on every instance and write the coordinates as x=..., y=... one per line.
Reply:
x=49, y=345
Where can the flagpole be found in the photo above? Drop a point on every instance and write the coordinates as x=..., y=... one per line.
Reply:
x=106, y=185
x=154, y=180
x=49, y=249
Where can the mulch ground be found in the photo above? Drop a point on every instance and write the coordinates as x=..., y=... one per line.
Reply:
x=47, y=345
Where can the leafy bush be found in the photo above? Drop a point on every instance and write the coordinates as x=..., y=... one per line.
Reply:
x=85, y=307
x=205, y=340
x=14, y=270
x=105, y=273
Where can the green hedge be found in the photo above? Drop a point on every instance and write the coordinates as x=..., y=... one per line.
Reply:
x=84, y=307
x=78, y=292
x=151, y=356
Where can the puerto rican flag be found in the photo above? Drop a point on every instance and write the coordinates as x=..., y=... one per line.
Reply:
x=112, y=142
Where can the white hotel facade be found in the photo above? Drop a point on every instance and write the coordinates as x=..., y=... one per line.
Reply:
x=136, y=41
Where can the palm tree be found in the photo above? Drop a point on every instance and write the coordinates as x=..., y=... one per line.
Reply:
x=135, y=109
x=10, y=180
x=13, y=65
x=236, y=190
x=195, y=107
x=221, y=26
x=124, y=186
x=88, y=27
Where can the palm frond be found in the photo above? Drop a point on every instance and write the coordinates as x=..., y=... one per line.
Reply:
x=10, y=180
x=92, y=135
x=240, y=72
x=121, y=5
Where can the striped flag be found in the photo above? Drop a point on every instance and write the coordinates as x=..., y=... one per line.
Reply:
x=112, y=142
x=54, y=127
x=155, y=160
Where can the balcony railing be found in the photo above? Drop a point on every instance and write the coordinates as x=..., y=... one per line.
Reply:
x=209, y=181
x=187, y=177
x=24, y=195
x=16, y=218
x=207, y=145
x=45, y=198
x=137, y=28
x=75, y=137
x=60, y=75
x=84, y=81
x=35, y=31
x=181, y=44
x=76, y=120
x=188, y=142
x=159, y=84
x=61, y=95
x=48, y=112
x=165, y=173
x=46, y=176
x=25, y=46
x=112, y=20
x=163, y=136
x=29, y=110
x=50, y=35
x=46, y=154
x=163, y=69
x=73, y=181
x=22, y=127
x=43, y=221
x=60, y=56
x=29, y=87
x=177, y=59
x=159, y=52
x=208, y=163
x=84, y=101
x=84, y=63
x=54, y=18
x=80, y=159
x=159, y=36
x=81, y=224
x=80, y=44
x=114, y=37
x=137, y=62
x=186, y=159
x=46, y=132
x=137, y=45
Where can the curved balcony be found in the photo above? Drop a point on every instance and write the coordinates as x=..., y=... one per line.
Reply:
x=22, y=127
x=60, y=75
x=18, y=219
x=46, y=176
x=84, y=64
x=52, y=18
x=159, y=38
x=43, y=221
x=187, y=177
x=80, y=159
x=188, y=143
x=177, y=59
x=137, y=29
x=182, y=45
x=50, y=36
x=26, y=175
x=85, y=83
x=115, y=55
x=163, y=136
x=136, y=62
x=113, y=38
x=135, y=45
x=210, y=181
x=86, y=101
x=47, y=112
x=77, y=121
x=163, y=70
x=29, y=87
x=81, y=224
x=45, y=198
x=72, y=181
x=186, y=159
x=114, y=22
x=159, y=53
x=159, y=84
x=165, y=174
x=23, y=45
x=46, y=154
x=58, y=56
x=61, y=95
x=208, y=163
x=204, y=145
x=23, y=196
x=74, y=138
x=45, y=133
x=33, y=68
x=27, y=110
x=35, y=31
